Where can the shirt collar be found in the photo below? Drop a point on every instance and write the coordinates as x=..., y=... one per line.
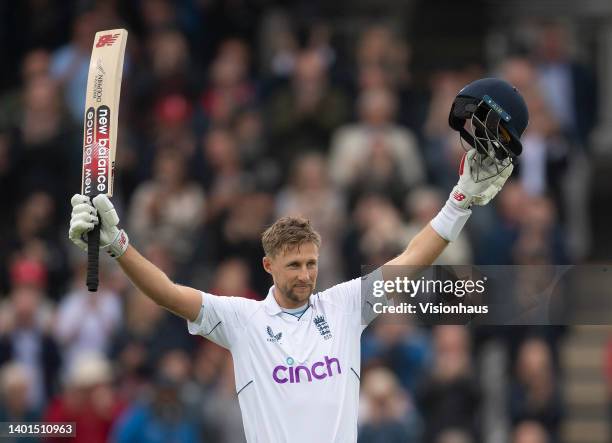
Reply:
x=271, y=305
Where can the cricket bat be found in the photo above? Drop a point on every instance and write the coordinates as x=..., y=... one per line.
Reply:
x=100, y=129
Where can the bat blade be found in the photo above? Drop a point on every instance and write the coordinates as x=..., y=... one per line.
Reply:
x=100, y=128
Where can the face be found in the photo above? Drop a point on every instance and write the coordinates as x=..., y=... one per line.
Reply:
x=295, y=274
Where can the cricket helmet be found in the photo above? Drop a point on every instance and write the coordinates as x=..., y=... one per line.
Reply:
x=497, y=117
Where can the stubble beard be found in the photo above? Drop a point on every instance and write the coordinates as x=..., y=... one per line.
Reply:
x=298, y=298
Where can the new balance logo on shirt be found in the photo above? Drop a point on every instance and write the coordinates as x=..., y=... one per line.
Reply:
x=295, y=374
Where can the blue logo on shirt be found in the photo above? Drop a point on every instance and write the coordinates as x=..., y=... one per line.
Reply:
x=322, y=326
x=272, y=337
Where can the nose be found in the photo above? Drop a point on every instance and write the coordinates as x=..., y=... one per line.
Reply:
x=304, y=274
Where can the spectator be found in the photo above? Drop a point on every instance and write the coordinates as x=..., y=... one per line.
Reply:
x=14, y=393
x=70, y=63
x=540, y=238
x=252, y=141
x=495, y=246
x=168, y=208
x=303, y=115
x=43, y=140
x=376, y=154
x=279, y=46
x=217, y=391
x=158, y=419
x=237, y=232
x=159, y=14
x=383, y=60
x=224, y=176
x=378, y=46
x=233, y=279
x=376, y=235
x=402, y=347
x=388, y=415
x=34, y=238
x=545, y=145
x=450, y=398
x=229, y=88
x=568, y=86
x=86, y=321
x=25, y=336
x=88, y=399
x=166, y=84
x=530, y=432
x=535, y=394
x=454, y=436
x=172, y=119
x=442, y=148
x=148, y=334
x=35, y=65
x=134, y=347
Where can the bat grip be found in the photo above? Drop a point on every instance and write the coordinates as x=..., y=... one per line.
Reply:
x=93, y=245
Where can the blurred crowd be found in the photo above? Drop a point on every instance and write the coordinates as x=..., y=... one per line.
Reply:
x=233, y=114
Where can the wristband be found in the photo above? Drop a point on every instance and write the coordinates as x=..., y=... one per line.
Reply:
x=450, y=221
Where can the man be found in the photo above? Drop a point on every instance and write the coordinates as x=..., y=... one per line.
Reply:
x=296, y=354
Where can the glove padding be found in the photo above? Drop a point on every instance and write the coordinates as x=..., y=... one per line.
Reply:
x=468, y=192
x=84, y=217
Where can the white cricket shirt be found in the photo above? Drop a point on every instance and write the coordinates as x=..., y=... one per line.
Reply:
x=297, y=379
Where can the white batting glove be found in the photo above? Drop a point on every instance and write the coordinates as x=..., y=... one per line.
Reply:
x=452, y=217
x=84, y=218
x=468, y=192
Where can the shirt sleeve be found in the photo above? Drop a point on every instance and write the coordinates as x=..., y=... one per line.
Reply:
x=356, y=297
x=219, y=319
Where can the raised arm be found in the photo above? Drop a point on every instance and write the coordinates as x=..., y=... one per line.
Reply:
x=152, y=281
x=422, y=250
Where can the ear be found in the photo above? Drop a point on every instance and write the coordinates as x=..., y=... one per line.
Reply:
x=267, y=264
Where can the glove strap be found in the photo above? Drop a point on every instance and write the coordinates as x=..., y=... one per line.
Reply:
x=460, y=198
x=450, y=220
x=118, y=246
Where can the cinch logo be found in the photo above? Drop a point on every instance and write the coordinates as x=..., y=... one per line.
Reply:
x=106, y=40
x=295, y=374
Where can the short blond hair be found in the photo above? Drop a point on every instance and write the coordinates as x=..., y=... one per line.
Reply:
x=288, y=232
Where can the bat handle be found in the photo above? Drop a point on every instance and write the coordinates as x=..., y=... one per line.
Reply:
x=93, y=245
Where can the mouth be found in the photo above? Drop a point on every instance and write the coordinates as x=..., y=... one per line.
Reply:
x=302, y=287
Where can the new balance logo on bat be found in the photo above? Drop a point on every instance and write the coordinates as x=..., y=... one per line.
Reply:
x=106, y=40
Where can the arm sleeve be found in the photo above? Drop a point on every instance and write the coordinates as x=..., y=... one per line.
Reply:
x=356, y=297
x=219, y=319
